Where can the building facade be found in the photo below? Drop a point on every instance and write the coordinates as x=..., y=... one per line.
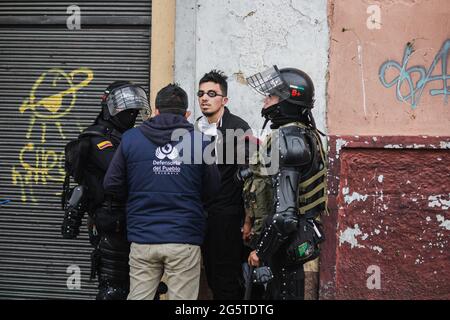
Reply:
x=380, y=70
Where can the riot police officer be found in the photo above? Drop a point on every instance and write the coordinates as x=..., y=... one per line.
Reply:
x=88, y=159
x=285, y=185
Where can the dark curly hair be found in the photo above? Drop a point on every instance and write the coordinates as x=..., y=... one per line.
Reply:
x=218, y=77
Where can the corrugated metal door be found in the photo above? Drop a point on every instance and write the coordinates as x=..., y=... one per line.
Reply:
x=51, y=80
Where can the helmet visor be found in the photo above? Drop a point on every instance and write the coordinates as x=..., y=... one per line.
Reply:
x=128, y=97
x=269, y=82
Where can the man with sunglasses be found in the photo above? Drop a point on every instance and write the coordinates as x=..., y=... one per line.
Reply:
x=223, y=246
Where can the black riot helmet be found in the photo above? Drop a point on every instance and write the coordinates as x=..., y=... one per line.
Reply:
x=295, y=89
x=121, y=103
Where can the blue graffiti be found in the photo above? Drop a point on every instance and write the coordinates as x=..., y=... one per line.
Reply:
x=414, y=90
x=4, y=201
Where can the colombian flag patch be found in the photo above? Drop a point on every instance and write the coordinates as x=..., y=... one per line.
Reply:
x=104, y=145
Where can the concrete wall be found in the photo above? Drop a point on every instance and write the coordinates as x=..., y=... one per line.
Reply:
x=245, y=37
x=389, y=126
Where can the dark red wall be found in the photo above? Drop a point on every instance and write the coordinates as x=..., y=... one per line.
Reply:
x=389, y=199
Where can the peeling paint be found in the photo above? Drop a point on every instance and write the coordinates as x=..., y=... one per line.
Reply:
x=437, y=201
x=409, y=146
x=349, y=236
x=393, y=146
x=339, y=144
x=380, y=178
x=444, y=223
x=445, y=145
x=377, y=248
x=345, y=190
x=355, y=197
x=254, y=35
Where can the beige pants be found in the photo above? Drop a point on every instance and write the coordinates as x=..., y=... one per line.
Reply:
x=180, y=262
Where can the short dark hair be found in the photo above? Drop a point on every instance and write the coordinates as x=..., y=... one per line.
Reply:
x=172, y=99
x=218, y=77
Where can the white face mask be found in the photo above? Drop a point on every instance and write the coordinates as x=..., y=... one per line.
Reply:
x=207, y=128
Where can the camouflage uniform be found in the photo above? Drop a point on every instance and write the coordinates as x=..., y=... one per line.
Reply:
x=259, y=196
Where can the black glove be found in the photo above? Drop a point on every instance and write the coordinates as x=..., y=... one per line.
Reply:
x=262, y=275
x=73, y=213
x=242, y=174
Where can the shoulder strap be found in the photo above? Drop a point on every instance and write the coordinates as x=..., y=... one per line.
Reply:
x=94, y=130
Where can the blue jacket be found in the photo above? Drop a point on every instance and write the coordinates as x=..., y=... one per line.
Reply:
x=164, y=187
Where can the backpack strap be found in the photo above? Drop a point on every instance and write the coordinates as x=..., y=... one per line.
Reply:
x=96, y=130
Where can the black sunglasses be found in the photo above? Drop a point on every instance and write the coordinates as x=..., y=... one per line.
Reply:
x=210, y=93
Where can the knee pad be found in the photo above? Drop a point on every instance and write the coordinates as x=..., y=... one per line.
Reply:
x=113, y=255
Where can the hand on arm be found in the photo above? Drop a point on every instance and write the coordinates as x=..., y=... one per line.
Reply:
x=253, y=259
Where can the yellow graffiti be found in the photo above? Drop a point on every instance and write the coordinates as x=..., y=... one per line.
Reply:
x=51, y=108
x=39, y=165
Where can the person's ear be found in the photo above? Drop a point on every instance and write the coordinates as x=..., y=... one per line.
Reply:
x=225, y=100
x=187, y=114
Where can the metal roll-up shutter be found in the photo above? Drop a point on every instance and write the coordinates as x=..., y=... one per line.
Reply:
x=51, y=81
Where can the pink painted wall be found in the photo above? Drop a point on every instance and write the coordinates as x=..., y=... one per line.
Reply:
x=388, y=232
x=358, y=103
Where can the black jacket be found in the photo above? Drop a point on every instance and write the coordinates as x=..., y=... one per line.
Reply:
x=99, y=156
x=229, y=200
